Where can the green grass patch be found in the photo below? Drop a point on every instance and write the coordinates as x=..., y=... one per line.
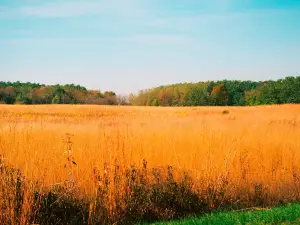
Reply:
x=289, y=214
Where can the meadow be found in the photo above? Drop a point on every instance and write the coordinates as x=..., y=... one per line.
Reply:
x=76, y=164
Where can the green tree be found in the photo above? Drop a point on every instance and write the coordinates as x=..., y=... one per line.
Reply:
x=155, y=102
x=198, y=97
x=56, y=100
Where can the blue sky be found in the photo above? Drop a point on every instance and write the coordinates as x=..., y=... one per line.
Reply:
x=134, y=44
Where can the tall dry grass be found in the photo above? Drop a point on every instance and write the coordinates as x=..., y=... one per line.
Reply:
x=86, y=164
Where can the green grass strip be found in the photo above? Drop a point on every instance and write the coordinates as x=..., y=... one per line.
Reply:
x=289, y=214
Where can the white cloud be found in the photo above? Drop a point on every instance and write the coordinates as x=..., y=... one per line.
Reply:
x=160, y=38
x=66, y=9
x=149, y=38
x=79, y=8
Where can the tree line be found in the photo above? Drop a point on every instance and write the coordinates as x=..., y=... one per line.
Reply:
x=34, y=93
x=209, y=93
x=221, y=93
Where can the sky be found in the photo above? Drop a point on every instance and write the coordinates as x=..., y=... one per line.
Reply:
x=128, y=45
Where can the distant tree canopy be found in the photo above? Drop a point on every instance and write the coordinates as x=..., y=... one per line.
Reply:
x=224, y=92
x=33, y=93
x=210, y=93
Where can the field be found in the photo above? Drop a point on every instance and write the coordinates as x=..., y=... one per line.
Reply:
x=104, y=165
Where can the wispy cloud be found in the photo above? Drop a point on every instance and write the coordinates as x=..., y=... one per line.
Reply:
x=130, y=20
x=159, y=38
x=149, y=38
x=188, y=23
x=68, y=9
x=59, y=10
x=73, y=8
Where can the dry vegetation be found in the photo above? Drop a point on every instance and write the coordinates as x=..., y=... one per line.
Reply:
x=97, y=164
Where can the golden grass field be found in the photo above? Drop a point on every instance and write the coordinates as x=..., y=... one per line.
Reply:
x=246, y=149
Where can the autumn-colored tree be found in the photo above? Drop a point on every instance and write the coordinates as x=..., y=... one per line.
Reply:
x=224, y=92
x=9, y=95
x=131, y=99
x=109, y=93
x=42, y=95
x=176, y=97
x=165, y=97
x=220, y=95
x=142, y=99
x=79, y=96
x=122, y=100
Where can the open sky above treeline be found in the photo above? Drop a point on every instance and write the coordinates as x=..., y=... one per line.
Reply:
x=130, y=45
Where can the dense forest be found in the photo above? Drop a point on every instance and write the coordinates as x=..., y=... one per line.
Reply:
x=210, y=93
x=33, y=93
x=224, y=92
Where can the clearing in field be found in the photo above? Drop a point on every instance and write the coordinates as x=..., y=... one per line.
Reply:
x=100, y=164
